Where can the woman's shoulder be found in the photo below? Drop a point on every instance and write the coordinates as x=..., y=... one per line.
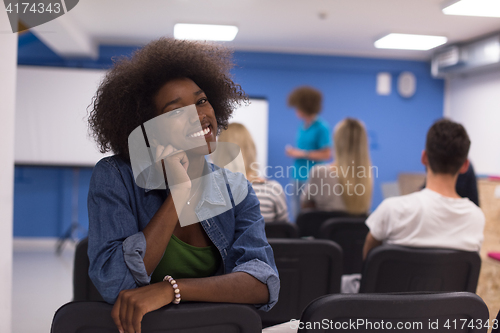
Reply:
x=320, y=169
x=114, y=161
x=110, y=168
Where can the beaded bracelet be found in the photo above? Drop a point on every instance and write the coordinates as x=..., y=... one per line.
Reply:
x=177, y=291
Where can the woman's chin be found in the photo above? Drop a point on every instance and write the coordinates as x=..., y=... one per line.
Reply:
x=203, y=150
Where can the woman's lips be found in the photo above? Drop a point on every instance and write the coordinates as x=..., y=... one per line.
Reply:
x=204, y=132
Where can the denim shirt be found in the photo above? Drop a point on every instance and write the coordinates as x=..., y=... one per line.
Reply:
x=119, y=210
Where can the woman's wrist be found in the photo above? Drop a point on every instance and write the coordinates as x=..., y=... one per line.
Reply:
x=169, y=291
x=175, y=288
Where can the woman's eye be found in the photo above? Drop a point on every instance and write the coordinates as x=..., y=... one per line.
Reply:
x=174, y=113
x=202, y=100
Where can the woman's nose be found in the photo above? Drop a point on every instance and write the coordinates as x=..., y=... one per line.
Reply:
x=200, y=115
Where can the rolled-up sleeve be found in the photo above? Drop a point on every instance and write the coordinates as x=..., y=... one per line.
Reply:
x=134, y=249
x=265, y=274
x=116, y=245
x=250, y=251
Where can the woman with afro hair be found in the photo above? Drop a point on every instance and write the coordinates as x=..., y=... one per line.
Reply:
x=137, y=246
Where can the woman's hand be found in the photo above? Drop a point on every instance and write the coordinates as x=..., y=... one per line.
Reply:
x=176, y=164
x=131, y=305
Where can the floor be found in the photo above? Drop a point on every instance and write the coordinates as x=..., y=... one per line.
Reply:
x=42, y=283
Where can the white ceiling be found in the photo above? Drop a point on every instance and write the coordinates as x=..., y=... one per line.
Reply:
x=336, y=27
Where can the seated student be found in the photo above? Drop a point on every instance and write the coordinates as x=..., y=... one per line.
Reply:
x=136, y=242
x=435, y=216
x=345, y=184
x=269, y=192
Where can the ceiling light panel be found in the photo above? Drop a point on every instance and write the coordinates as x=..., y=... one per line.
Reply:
x=409, y=42
x=205, y=32
x=484, y=8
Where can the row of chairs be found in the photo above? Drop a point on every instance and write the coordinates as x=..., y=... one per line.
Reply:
x=311, y=268
x=416, y=312
x=346, y=230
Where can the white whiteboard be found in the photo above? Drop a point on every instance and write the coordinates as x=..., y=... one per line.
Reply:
x=474, y=102
x=51, y=125
x=51, y=117
x=255, y=118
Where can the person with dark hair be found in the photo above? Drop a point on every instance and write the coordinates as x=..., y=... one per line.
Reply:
x=466, y=186
x=313, y=138
x=435, y=216
x=137, y=241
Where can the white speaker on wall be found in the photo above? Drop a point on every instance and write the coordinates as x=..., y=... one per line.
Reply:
x=407, y=84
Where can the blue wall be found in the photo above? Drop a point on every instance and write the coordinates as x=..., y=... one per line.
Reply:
x=396, y=126
x=44, y=200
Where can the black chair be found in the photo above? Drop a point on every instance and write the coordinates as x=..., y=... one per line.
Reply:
x=281, y=230
x=95, y=317
x=350, y=234
x=309, y=221
x=83, y=287
x=423, y=312
x=308, y=269
x=391, y=268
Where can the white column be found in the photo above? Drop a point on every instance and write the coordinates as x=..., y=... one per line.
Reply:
x=8, y=64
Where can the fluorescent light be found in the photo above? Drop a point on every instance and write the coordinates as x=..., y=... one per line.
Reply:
x=205, y=32
x=485, y=8
x=409, y=42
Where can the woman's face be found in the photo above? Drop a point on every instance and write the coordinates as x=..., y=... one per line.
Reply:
x=184, y=131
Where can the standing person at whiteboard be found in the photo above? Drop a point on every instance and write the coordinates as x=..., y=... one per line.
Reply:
x=269, y=192
x=313, y=139
x=136, y=244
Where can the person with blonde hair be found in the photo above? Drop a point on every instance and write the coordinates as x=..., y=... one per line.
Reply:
x=345, y=184
x=269, y=192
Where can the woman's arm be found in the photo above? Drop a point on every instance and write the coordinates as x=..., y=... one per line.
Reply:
x=121, y=255
x=253, y=278
x=238, y=287
x=158, y=233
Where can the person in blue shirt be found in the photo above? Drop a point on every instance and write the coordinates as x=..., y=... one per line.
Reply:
x=141, y=257
x=313, y=138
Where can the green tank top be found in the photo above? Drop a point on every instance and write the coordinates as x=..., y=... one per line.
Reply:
x=182, y=261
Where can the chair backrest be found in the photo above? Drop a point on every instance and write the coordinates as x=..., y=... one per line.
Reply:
x=93, y=317
x=281, y=230
x=410, y=312
x=350, y=234
x=310, y=221
x=308, y=269
x=391, y=268
x=83, y=287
